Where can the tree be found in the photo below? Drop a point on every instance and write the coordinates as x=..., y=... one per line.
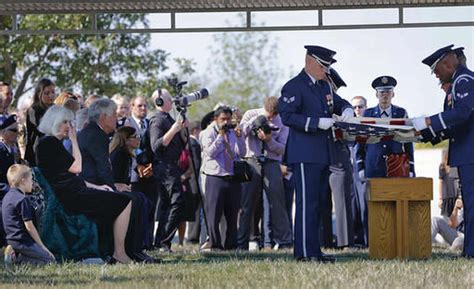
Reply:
x=102, y=64
x=246, y=67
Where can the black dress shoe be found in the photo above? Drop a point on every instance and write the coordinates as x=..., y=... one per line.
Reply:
x=319, y=259
x=145, y=258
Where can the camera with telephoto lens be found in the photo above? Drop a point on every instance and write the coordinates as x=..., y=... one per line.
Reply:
x=261, y=122
x=183, y=101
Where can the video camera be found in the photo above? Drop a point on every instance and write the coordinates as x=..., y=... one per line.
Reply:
x=182, y=102
x=261, y=122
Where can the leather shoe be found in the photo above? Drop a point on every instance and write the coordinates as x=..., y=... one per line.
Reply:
x=142, y=257
x=319, y=259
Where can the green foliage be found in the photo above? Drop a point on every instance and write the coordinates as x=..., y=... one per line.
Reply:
x=100, y=64
x=246, y=68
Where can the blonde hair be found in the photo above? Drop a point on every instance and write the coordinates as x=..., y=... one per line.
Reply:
x=68, y=100
x=16, y=174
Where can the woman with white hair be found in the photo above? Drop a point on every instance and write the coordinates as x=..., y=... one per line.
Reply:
x=61, y=170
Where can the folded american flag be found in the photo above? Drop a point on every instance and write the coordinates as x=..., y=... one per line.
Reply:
x=373, y=130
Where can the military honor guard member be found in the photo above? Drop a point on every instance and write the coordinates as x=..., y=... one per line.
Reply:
x=306, y=106
x=371, y=158
x=455, y=123
x=340, y=182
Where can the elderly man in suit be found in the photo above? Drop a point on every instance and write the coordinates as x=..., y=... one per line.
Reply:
x=93, y=142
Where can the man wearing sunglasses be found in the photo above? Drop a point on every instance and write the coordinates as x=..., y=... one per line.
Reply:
x=8, y=157
x=371, y=158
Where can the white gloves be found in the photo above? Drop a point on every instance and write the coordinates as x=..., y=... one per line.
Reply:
x=325, y=123
x=362, y=175
x=346, y=114
x=419, y=123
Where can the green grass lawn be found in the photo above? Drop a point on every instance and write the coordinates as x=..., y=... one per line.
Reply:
x=188, y=269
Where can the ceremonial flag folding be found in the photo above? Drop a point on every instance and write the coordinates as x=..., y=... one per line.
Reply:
x=373, y=130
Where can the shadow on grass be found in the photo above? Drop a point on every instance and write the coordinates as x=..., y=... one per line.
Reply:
x=221, y=257
x=341, y=257
x=49, y=276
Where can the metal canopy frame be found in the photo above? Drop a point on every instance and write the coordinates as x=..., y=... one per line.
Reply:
x=93, y=8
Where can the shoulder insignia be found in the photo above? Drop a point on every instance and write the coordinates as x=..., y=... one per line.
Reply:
x=289, y=99
x=462, y=95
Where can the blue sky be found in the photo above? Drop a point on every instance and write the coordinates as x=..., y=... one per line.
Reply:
x=362, y=55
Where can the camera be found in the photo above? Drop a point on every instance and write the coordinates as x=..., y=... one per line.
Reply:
x=183, y=101
x=261, y=122
x=228, y=126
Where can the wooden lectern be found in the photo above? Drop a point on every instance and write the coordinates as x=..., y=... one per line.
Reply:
x=399, y=217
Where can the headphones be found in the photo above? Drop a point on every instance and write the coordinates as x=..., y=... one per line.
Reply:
x=159, y=99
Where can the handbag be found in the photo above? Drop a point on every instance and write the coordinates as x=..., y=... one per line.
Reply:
x=398, y=165
x=242, y=170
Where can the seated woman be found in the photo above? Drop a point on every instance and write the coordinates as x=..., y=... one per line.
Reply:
x=122, y=157
x=61, y=170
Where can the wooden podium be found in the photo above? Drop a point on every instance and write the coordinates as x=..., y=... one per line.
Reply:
x=399, y=217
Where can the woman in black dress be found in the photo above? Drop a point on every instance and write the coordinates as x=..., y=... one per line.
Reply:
x=122, y=157
x=43, y=98
x=61, y=169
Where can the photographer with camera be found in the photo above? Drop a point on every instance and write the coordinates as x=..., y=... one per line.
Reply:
x=221, y=146
x=265, y=138
x=167, y=144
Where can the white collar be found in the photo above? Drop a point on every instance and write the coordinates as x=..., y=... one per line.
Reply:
x=312, y=78
x=137, y=120
x=388, y=110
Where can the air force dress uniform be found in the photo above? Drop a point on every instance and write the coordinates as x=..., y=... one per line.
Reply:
x=456, y=122
x=302, y=104
x=371, y=157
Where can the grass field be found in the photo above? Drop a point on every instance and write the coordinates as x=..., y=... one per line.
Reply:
x=189, y=269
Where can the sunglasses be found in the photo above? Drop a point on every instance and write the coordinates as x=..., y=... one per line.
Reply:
x=13, y=129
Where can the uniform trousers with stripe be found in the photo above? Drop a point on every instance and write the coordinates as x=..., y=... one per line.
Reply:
x=311, y=182
x=466, y=176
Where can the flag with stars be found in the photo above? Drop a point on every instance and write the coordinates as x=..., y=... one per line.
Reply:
x=373, y=130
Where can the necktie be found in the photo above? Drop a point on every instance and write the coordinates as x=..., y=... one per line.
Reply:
x=142, y=124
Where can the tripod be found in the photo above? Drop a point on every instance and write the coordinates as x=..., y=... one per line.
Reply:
x=195, y=172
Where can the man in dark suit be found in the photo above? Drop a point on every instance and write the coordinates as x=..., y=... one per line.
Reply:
x=371, y=157
x=93, y=142
x=141, y=178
